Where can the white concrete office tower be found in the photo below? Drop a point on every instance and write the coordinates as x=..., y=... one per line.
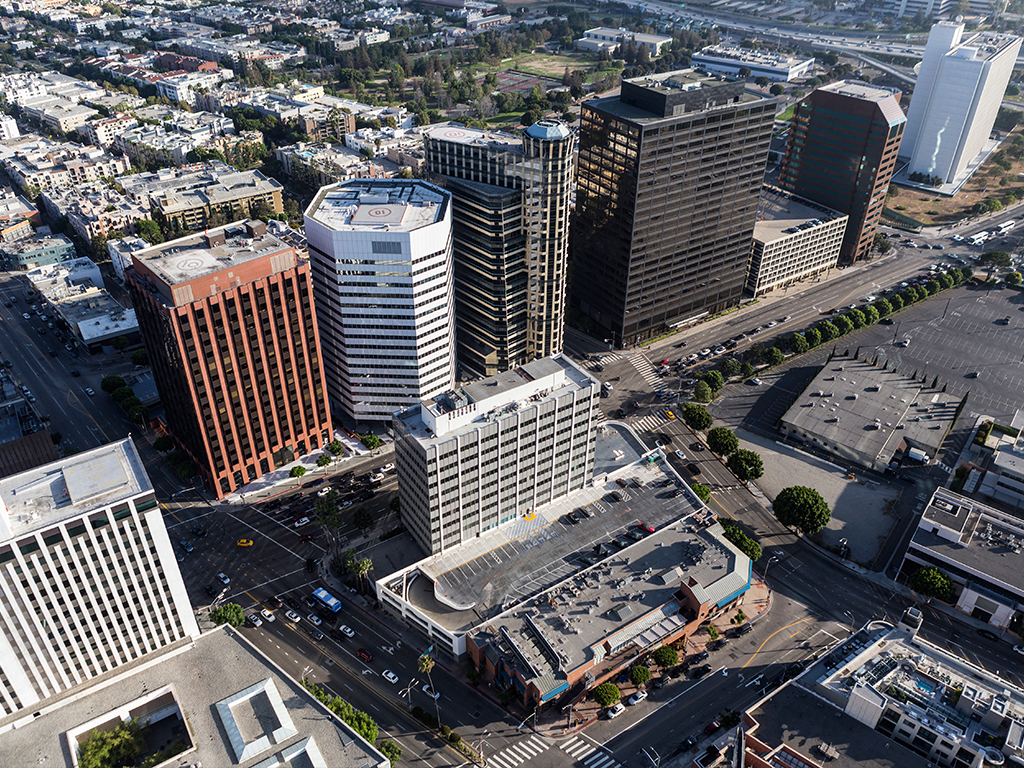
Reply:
x=959, y=88
x=381, y=253
x=88, y=579
x=480, y=456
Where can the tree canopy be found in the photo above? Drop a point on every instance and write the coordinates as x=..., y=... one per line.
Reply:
x=722, y=441
x=933, y=582
x=606, y=694
x=228, y=613
x=696, y=417
x=746, y=465
x=801, y=507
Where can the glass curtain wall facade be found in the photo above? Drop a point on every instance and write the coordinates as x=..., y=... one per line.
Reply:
x=667, y=189
x=843, y=142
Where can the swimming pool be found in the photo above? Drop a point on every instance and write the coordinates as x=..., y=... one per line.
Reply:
x=924, y=685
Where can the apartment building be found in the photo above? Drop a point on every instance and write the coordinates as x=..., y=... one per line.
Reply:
x=101, y=133
x=31, y=252
x=90, y=582
x=189, y=207
x=477, y=457
x=382, y=268
x=227, y=317
x=512, y=201
x=94, y=209
x=670, y=172
x=44, y=164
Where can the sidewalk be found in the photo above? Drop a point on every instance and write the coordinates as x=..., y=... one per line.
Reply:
x=280, y=480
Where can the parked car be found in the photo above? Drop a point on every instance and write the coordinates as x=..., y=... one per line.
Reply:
x=637, y=697
x=699, y=672
x=301, y=522
x=186, y=545
x=223, y=578
x=646, y=527
x=245, y=542
x=615, y=711
x=712, y=727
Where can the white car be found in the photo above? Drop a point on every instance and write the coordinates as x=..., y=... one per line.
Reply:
x=292, y=616
x=314, y=620
x=346, y=631
x=268, y=616
x=691, y=357
x=705, y=352
x=301, y=522
x=387, y=468
x=390, y=676
x=719, y=350
x=223, y=578
x=637, y=697
x=377, y=477
x=1019, y=649
x=773, y=323
x=26, y=315
x=324, y=491
x=615, y=711
x=255, y=620
x=431, y=692
x=681, y=455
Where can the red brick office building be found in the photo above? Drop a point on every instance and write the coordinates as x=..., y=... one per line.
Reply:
x=228, y=319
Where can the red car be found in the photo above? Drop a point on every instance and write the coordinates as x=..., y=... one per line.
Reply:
x=711, y=727
x=646, y=527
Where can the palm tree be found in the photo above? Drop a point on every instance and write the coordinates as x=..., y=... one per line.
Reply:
x=425, y=665
x=326, y=509
x=361, y=568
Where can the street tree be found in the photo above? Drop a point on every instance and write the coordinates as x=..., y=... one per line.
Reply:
x=323, y=460
x=298, y=471
x=696, y=416
x=425, y=664
x=110, y=383
x=798, y=343
x=731, y=367
x=606, y=694
x=702, y=392
x=774, y=356
x=639, y=675
x=722, y=441
x=228, y=613
x=801, y=507
x=933, y=582
x=746, y=465
x=702, y=491
x=714, y=380
x=666, y=656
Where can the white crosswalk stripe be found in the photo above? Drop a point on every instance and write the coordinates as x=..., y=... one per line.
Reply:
x=592, y=364
x=643, y=365
x=588, y=754
x=649, y=423
x=518, y=753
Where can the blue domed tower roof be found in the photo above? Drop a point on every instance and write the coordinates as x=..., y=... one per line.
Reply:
x=548, y=129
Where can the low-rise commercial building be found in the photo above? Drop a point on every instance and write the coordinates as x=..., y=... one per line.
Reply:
x=729, y=61
x=794, y=240
x=608, y=39
x=18, y=216
x=870, y=415
x=120, y=252
x=480, y=456
x=979, y=548
x=1004, y=476
x=32, y=252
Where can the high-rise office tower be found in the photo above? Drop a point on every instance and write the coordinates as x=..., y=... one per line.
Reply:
x=382, y=271
x=227, y=316
x=479, y=456
x=841, y=152
x=667, y=189
x=89, y=581
x=511, y=197
x=956, y=99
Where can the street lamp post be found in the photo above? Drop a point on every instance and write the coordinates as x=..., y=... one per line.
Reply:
x=764, y=576
x=850, y=616
x=842, y=548
x=408, y=691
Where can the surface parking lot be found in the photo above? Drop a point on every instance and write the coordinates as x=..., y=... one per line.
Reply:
x=952, y=336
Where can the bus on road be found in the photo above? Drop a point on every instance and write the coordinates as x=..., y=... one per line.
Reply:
x=1006, y=226
x=327, y=600
x=979, y=238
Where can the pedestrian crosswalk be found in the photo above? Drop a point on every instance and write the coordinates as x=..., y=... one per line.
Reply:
x=583, y=751
x=643, y=365
x=649, y=423
x=590, y=365
x=518, y=753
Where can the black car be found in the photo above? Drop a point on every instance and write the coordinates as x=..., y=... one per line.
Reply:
x=573, y=517
x=660, y=682
x=313, y=632
x=697, y=446
x=744, y=630
x=699, y=672
x=988, y=635
x=274, y=602
x=693, y=469
x=702, y=656
x=634, y=535
x=337, y=635
x=199, y=533
x=210, y=590
x=621, y=542
x=291, y=602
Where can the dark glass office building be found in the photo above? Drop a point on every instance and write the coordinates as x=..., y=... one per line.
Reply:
x=841, y=152
x=667, y=190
